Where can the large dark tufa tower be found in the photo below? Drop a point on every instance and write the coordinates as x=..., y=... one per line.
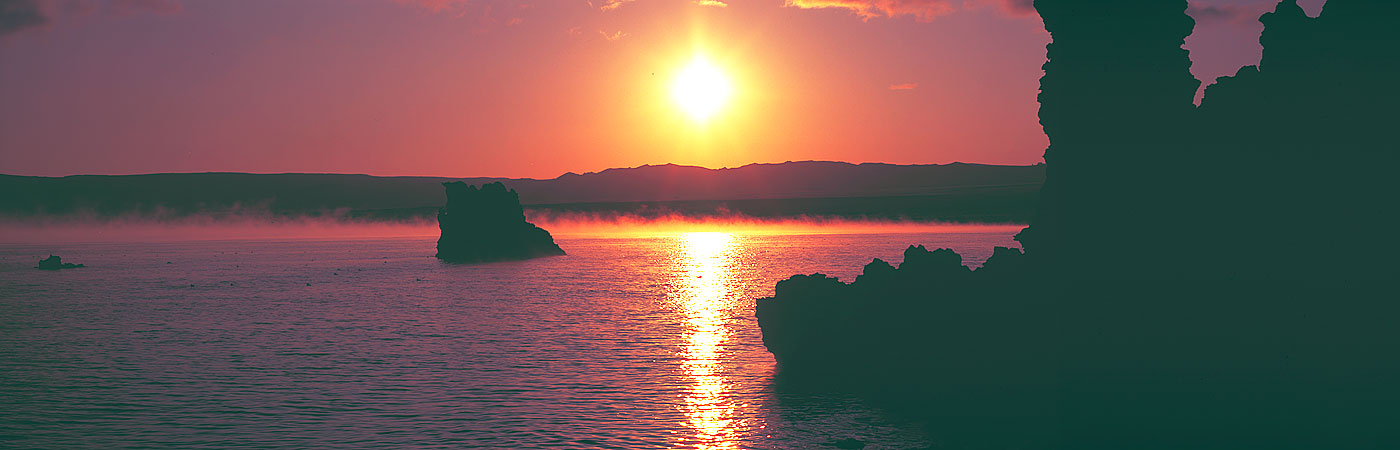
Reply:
x=1280, y=173
x=1116, y=94
x=488, y=224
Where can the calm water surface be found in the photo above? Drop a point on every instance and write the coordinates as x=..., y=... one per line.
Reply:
x=637, y=342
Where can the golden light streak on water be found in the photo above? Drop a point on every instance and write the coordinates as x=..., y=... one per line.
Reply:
x=709, y=258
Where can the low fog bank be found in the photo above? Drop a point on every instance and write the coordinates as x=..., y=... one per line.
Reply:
x=202, y=227
x=271, y=220
x=587, y=224
x=259, y=225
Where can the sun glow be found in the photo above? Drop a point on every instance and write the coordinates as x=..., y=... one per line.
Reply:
x=701, y=89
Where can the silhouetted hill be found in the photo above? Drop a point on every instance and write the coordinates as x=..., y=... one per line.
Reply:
x=612, y=190
x=805, y=179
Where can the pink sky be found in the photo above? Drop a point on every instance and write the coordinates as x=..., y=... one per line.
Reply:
x=529, y=88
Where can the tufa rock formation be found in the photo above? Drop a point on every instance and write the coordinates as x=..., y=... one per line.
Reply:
x=961, y=349
x=488, y=224
x=1296, y=149
x=55, y=262
x=1115, y=102
x=1195, y=277
x=813, y=320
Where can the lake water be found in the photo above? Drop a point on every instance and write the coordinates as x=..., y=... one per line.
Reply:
x=627, y=342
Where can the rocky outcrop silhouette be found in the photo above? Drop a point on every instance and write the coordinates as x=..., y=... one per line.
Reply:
x=55, y=262
x=1294, y=149
x=1305, y=145
x=488, y=224
x=1195, y=277
x=1115, y=100
x=814, y=319
x=960, y=348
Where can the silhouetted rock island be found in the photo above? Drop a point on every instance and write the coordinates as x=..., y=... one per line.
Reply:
x=54, y=262
x=488, y=224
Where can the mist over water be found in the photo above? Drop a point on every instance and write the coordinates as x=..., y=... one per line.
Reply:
x=639, y=341
x=138, y=228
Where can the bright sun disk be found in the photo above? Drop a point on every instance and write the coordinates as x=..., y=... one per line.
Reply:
x=701, y=89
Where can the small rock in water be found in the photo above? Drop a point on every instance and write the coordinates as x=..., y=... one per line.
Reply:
x=488, y=224
x=54, y=262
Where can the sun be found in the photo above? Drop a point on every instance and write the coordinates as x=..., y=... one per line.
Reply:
x=701, y=89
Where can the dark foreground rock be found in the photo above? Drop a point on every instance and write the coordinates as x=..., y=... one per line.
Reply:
x=1004, y=357
x=488, y=224
x=54, y=262
x=950, y=340
x=1213, y=277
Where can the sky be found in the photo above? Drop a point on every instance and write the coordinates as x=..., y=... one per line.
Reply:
x=531, y=88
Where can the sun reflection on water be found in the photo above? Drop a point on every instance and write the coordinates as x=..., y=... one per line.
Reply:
x=707, y=259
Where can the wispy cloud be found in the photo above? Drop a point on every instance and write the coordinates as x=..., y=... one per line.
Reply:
x=434, y=5
x=1018, y=7
x=152, y=6
x=609, y=5
x=487, y=15
x=714, y=3
x=462, y=8
x=16, y=15
x=1246, y=14
x=614, y=36
x=20, y=15
x=903, y=86
x=922, y=10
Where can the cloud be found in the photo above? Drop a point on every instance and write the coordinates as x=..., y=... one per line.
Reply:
x=714, y=3
x=465, y=7
x=434, y=5
x=1237, y=14
x=488, y=15
x=609, y=5
x=903, y=86
x=1018, y=7
x=152, y=6
x=617, y=35
x=17, y=15
x=920, y=10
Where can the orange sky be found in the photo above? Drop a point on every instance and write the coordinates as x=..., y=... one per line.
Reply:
x=528, y=88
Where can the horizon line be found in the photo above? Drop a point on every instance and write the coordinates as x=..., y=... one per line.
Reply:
x=215, y=172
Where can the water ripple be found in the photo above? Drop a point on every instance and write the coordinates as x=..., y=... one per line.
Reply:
x=625, y=343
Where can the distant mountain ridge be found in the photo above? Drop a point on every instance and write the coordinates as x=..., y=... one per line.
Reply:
x=188, y=193
x=804, y=179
